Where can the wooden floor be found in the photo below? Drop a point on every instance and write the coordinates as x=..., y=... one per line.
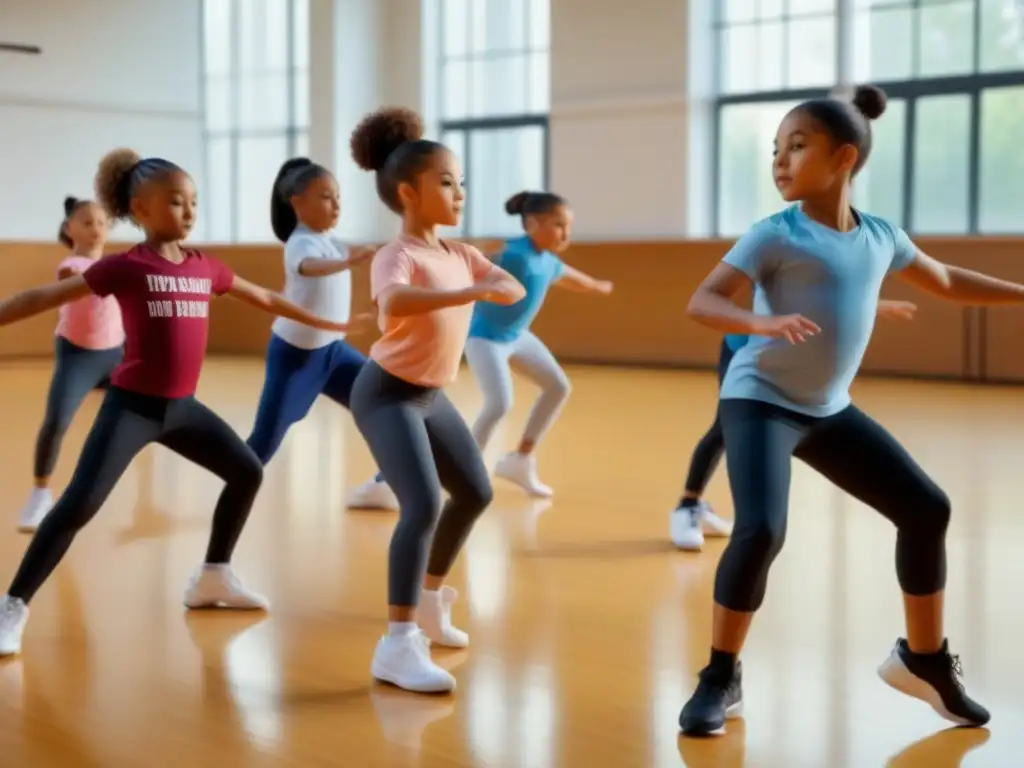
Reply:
x=587, y=628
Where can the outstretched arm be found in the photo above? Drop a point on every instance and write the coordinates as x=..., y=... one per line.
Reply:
x=960, y=285
x=574, y=280
x=276, y=304
x=35, y=301
x=317, y=267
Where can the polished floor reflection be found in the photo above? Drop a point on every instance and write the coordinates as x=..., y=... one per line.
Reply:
x=587, y=628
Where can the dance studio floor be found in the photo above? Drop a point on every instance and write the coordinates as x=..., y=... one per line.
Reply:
x=587, y=627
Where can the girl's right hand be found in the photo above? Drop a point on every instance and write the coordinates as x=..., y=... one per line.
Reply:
x=792, y=328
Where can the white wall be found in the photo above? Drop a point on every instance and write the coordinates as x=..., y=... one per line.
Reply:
x=630, y=139
x=364, y=54
x=112, y=73
x=622, y=114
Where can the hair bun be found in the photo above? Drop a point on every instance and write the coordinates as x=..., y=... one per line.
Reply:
x=870, y=101
x=382, y=132
x=70, y=203
x=516, y=204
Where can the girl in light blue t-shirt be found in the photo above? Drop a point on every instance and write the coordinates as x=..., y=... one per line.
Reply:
x=817, y=269
x=694, y=518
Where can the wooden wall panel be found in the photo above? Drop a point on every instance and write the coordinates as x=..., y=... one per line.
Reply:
x=644, y=321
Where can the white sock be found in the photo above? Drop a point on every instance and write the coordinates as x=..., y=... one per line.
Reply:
x=216, y=567
x=401, y=628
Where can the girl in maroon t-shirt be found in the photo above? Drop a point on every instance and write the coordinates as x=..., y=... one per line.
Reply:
x=164, y=291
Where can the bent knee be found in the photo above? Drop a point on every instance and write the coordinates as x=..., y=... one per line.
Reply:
x=560, y=387
x=930, y=513
x=248, y=470
x=761, y=540
x=476, y=495
x=496, y=408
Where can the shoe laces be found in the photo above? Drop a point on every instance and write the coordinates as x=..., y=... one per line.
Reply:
x=957, y=670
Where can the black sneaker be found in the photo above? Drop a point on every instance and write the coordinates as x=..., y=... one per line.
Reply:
x=716, y=700
x=934, y=679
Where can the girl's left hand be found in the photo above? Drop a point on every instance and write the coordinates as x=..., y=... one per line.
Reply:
x=897, y=310
x=360, y=254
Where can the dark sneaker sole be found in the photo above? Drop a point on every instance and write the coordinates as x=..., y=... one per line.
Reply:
x=731, y=713
x=895, y=674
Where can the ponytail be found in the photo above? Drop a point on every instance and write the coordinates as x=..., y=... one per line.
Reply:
x=120, y=173
x=292, y=179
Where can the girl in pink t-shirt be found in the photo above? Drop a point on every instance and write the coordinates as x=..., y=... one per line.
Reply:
x=425, y=289
x=87, y=347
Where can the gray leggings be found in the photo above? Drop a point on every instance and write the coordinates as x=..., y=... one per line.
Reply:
x=420, y=443
x=76, y=372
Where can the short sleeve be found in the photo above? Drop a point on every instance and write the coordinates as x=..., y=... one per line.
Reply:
x=107, y=276
x=221, y=276
x=391, y=266
x=297, y=250
x=904, y=251
x=753, y=252
x=557, y=268
x=479, y=265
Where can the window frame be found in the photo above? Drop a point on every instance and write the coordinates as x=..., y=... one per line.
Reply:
x=293, y=131
x=971, y=85
x=469, y=126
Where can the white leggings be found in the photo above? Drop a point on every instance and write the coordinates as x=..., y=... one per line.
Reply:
x=490, y=363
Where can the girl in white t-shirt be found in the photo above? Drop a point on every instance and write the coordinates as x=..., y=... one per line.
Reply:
x=304, y=362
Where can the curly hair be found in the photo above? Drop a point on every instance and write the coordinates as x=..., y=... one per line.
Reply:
x=120, y=174
x=390, y=142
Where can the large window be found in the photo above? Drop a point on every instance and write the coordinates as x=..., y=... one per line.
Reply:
x=493, y=93
x=256, y=77
x=945, y=160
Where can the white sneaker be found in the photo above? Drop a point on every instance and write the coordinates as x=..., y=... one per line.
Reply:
x=521, y=469
x=404, y=661
x=38, y=506
x=685, y=528
x=13, y=615
x=434, y=617
x=373, y=494
x=216, y=586
x=713, y=525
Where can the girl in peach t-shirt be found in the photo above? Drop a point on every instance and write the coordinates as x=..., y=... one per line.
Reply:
x=424, y=288
x=87, y=348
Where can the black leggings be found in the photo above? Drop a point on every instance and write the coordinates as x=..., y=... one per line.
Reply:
x=420, y=443
x=855, y=453
x=710, y=448
x=126, y=423
x=76, y=372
